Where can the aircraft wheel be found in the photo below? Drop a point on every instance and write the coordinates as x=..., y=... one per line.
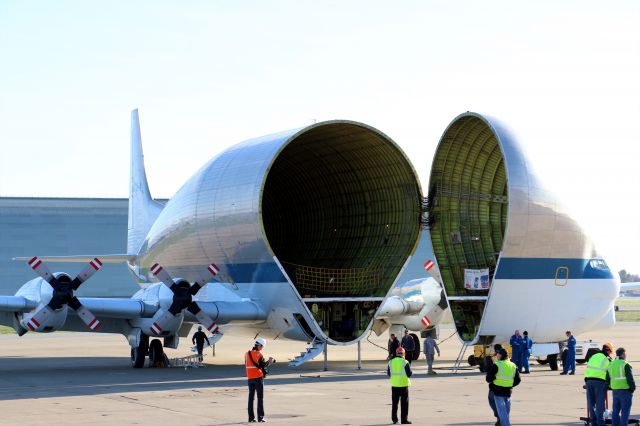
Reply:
x=156, y=353
x=553, y=361
x=542, y=361
x=471, y=360
x=139, y=354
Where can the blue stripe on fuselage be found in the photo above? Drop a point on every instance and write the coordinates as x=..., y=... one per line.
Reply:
x=515, y=268
x=267, y=272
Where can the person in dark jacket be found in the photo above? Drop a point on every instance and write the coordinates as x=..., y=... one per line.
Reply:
x=394, y=344
x=399, y=371
x=525, y=352
x=408, y=345
x=620, y=381
x=516, y=348
x=569, y=364
x=502, y=377
x=198, y=338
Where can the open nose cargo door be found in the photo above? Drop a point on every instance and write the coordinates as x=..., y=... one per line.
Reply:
x=467, y=207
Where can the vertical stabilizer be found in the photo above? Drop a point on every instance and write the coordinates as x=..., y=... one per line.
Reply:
x=143, y=210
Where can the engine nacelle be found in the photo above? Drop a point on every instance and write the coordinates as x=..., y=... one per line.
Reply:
x=41, y=292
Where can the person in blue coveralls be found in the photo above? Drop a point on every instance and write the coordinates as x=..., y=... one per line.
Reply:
x=569, y=364
x=516, y=349
x=527, y=344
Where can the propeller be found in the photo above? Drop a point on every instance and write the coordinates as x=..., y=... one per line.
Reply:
x=63, y=288
x=183, y=294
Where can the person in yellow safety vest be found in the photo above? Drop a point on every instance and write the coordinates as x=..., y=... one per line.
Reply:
x=620, y=380
x=502, y=376
x=399, y=371
x=595, y=376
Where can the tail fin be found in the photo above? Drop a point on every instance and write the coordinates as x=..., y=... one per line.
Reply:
x=143, y=210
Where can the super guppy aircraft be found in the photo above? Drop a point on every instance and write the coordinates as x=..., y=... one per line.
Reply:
x=302, y=234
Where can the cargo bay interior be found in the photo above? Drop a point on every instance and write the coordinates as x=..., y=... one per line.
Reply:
x=341, y=210
x=467, y=208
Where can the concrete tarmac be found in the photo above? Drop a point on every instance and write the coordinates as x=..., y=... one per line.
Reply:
x=82, y=378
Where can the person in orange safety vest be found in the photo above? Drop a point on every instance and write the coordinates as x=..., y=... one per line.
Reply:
x=256, y=368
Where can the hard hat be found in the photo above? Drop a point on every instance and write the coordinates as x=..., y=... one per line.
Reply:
x=400, y=351
x=609, y=346
x=260, y=341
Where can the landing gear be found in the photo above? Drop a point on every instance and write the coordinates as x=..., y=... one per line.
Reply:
x=139, y=354
x=156, y=354
x=553, y=361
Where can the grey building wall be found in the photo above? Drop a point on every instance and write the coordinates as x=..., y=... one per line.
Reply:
x=64, y=226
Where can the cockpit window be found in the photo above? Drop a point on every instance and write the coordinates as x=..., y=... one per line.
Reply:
x=598, y=264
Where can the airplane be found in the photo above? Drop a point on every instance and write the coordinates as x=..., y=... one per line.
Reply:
x=509, y=254
x=297, y=235
x=304, y=234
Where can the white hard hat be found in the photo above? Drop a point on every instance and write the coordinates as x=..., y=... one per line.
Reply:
x=260, y=341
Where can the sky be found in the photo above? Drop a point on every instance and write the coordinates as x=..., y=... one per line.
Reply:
x=563, y=75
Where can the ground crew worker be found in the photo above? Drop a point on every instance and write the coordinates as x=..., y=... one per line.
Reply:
x=409, y=345
x=527, y=344
x=595, y=377
x=198, y=338
x=430, y=348
x=502, y=377
x=620, y=380
x=488, y=364
x=516, y=348
x=394, y=343
x=399, y=371
x=569, y=364
x=255, y=366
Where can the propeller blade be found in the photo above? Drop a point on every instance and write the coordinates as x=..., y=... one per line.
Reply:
x=212, y=270
x=39, y=319
x=158, y=271
x=161, y=323
x=86, y=273
x=42, y=270
x=85, y=314
x=203, y=318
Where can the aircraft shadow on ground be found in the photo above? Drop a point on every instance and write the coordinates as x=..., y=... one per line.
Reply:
x=28, y=378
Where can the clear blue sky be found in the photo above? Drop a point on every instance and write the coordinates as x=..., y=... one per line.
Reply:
x=565, y=75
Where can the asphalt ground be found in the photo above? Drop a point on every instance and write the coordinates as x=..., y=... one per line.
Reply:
x=82, y=378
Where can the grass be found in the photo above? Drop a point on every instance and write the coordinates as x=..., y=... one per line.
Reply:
x=628, y=301
x=6, y=330
x=628, y=316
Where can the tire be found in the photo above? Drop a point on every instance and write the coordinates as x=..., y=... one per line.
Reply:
x=139, y=354
x=472, y=360
x=553, y=361
x=156, y=353
x=542, y=361
x=484, y=364
x=590, y=353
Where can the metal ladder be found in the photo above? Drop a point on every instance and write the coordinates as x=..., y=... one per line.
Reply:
x=460, y=357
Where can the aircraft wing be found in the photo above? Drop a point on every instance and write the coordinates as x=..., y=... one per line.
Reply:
x=105, y=258
x=630, y=286
x=103, y=307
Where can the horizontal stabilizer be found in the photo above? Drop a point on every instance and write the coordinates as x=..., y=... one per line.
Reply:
x=104, y=258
